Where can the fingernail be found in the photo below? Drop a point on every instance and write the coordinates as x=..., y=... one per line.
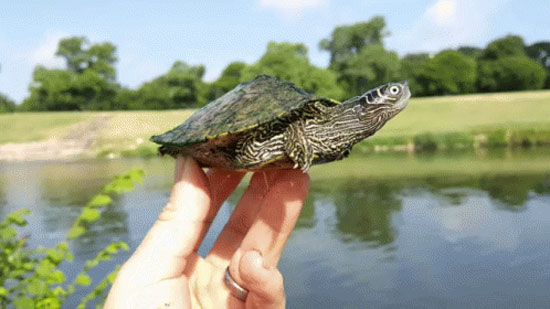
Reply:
x=257, y=258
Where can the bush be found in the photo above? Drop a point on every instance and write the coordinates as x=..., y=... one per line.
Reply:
x=425, y=142
x=456, y=140
x=31, y=278
x=497, y=138
x=142, y=151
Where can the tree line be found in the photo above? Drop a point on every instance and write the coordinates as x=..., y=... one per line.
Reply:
x=359, y=61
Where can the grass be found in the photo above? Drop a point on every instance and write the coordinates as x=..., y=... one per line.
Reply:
x=28, y=127
x=127, y=133
x=501, y=119
x=492, y=120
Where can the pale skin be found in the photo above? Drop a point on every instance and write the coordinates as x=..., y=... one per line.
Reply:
x=166, y=271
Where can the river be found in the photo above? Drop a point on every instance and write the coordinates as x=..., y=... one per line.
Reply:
x=381, y=230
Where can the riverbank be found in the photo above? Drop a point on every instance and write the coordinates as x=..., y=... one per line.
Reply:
x=518, y=119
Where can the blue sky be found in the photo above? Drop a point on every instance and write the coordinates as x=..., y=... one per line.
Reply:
x=151, y=35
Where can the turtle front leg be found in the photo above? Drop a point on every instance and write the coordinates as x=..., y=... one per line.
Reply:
x=297, y=146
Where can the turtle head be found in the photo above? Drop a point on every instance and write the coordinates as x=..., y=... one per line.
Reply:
x=381, y=104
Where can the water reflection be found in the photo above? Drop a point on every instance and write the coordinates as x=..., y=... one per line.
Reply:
x=364, y=208
x=360, y=241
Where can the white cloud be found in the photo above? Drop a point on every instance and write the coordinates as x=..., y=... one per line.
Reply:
x=443, y=12
x=449, y=24
x=292, y=8
x=475, y=220
x=44, y=53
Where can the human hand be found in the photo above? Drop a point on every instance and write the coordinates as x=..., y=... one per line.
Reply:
x=166, y=270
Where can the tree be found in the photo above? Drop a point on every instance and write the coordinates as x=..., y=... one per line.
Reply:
x=346, y=41
x=358, y=56
x=56, y=90
x=230, y=77
x=180, y=87
x=505, y=66
x=411, y=67
x=81, y=56
x=510, y=45
x=448, y=72
x=540, y=52
x=87, y=83
x=6, y=105
x=289, y=61
x=126, y=99
x=510, y=73
x=471, y=51
x=372, y=67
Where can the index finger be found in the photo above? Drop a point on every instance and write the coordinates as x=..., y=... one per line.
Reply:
x=276, y=219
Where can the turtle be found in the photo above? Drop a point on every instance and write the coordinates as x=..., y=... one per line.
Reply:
x=267, y=123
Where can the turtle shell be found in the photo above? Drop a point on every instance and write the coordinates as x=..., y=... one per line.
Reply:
x=245, y=107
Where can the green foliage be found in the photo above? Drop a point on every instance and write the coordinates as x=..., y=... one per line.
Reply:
x=411, y=67
x=141, y=151
x=180, y=87
x=456, y=140
x=510, y=73
x=58, y=90
x=449, y=72
x=474, y=52
x=346, y=41
x=231, y=76
x=80, y=56
x=540, y=52
x=87, y=84
x=289, y=61
x=31, y=278
x=358, y=62
x=358, y=56
x=6, y=105
x=370, y=68
x=510, y=45
x=425, y=142
x=90, y=213
x=497, y=138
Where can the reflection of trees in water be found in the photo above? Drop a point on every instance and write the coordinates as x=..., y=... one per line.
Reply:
x=511, y=192
x=70, y=191
x=307, y=216
x=543, y=187
x=364, y=209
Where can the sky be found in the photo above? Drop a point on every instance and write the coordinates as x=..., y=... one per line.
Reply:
x=151, y=35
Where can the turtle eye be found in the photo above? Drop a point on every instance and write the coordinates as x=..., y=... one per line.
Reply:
x=394, y=90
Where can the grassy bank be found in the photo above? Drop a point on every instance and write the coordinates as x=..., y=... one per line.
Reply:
x=455, y=122
x=28, y=127
x=467, y=121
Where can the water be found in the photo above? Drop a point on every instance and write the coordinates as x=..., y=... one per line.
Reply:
x=431, y=231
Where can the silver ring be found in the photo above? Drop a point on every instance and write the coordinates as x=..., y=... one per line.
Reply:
x=236, y=290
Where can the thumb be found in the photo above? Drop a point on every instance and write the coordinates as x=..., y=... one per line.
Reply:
x=177, y=232
x=265, y=285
